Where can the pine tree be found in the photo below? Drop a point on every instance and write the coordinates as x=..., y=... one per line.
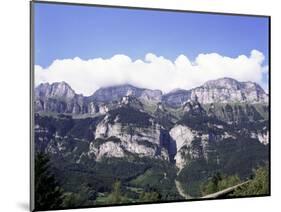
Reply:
x=48, y=194
x=116, y=193
x=258, y=186
x=149, y=196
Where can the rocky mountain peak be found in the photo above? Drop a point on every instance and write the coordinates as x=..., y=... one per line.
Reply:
x=114, y=93
x=228, y=90
x=232, y=84
x=55, y=90
x=222, y=90
x=224, y=82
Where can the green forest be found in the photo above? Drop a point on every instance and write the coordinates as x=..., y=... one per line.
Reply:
x=114, y=182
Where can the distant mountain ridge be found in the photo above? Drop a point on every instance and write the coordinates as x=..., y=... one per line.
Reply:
x=57, y=89
x=60, y=97
x=223, y=90
x=113, y=93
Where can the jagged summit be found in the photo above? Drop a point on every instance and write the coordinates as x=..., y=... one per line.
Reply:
x=56, y=89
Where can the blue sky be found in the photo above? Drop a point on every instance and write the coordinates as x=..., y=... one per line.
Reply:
x=67, y=31
x=64, y=31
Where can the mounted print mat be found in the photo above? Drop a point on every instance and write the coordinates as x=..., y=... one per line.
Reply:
x=136, y=106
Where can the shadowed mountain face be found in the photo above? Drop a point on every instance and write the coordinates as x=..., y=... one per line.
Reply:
x=219, y=126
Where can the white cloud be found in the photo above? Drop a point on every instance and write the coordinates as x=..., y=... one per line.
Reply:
x=154, y=72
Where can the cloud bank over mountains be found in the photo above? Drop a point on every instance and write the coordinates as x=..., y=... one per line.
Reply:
x=153, y=72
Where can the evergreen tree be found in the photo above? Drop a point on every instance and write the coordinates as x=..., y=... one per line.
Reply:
x=115, y=197
x=48, y=194
x=116, y=194
x=211, y=186
x=258, y=186
x=219, y=182
x=149, y=196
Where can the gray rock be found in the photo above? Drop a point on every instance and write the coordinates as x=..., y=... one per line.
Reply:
x=224, y=90
x=115, y=93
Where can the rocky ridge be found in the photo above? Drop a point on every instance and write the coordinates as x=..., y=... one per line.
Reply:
x=61, y=98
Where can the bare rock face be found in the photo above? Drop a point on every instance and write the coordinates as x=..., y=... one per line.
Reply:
x=107, y=149
x=183, y=135
x=227, y=90
x=123, y=132
x=195, y=144
x=186, y=140
x=55, y=90
x=143, y=141
x=59, y=97
x=114, y=93
x=119, y=150
x=263, y=137
x=224, y=90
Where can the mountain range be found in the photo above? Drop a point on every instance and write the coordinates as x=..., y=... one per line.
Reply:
x=61, y=98
x=183, y=135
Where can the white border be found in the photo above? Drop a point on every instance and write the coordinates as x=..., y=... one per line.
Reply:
x=14, y=106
